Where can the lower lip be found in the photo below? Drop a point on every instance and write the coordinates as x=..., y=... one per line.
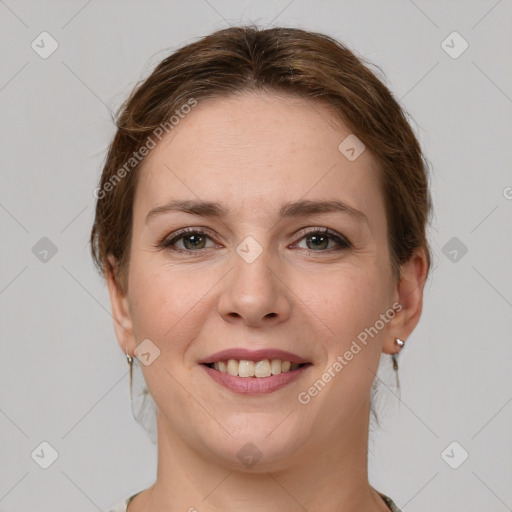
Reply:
x=254, y=385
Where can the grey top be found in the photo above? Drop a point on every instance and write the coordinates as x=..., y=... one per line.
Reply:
x=121, y=507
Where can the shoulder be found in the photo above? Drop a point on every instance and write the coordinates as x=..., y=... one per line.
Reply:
x=121, y=507
x=390, y=503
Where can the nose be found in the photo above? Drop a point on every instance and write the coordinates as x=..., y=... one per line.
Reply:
x=254, y=294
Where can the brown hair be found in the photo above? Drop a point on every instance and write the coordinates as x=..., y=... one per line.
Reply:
x=307, y=64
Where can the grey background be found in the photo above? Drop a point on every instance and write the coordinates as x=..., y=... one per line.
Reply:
x=64, y=380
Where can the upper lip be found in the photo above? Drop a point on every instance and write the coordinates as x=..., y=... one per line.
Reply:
x=253, y=355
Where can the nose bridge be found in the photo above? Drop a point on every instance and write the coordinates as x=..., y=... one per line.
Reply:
x=254, y=291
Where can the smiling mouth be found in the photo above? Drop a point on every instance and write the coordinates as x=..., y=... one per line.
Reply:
x=255, y=369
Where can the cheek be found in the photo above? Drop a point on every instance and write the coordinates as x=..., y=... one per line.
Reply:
x=345, y=304
x=167, y=305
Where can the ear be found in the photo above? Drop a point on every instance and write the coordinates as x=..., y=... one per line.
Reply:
x=409, y=294
x=123, y=325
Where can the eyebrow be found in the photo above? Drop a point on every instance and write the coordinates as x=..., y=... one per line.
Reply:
x=300, y=208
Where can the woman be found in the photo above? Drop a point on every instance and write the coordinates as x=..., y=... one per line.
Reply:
x=261, y=223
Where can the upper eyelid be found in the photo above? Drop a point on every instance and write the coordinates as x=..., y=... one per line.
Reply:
x=189, y=231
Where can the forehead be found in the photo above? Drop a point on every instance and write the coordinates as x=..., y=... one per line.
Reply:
x=257, y=149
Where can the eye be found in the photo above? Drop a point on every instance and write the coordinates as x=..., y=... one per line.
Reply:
x=193, y=240
x=318, y=240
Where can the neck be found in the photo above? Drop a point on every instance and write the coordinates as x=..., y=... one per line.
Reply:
x=330, y=478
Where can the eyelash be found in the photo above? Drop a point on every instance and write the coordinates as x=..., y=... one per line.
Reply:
x=167, y=243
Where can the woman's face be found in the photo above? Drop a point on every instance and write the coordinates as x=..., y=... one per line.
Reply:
x=261, y=277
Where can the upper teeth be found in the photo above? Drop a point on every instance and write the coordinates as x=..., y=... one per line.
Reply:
x=245, y=368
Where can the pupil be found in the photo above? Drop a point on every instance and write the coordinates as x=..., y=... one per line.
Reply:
x=196, y=243
x=320, y=238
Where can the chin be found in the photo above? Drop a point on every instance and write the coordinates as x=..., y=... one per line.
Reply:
x=261, y=442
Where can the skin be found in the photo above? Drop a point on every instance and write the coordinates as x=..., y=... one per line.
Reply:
x=252, y=153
